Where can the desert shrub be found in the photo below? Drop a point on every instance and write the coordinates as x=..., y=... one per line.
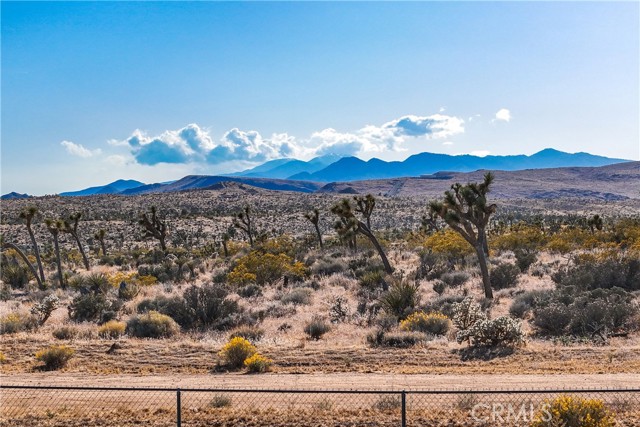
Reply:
x=3, y=358
x=401, y=299
x=524, y=258
x=128, y=291
x=519, y=309
x=152, y=325
x=373, y=280
x=316, y=327
x=15, y=275
x=455, y=278
x=501, y=331
x=250, y=333
x=257, y=363
x=449, y=244
x=297, y=296
x=88, y=307
x=400, y=339
x=339, y=310
x=431, y=266
x=173, y=307
x=439, y=287
x=387, y=403
x=263, y=268
x=66, y=333
x=97, y=282
x=573, y=411
x=236, y=351
x=250, y=290
x=431, y=323
x=504, y=276
x=112, y=329
x=526, y=301
x=42, y=310
x=443, y=305
x=553, y=319
x=5, y=292
x=328, y=266
x=211, y=308
x=278, y=310
x=592, y=273
x=55, y=356
x=221, y=401
x=17, y=322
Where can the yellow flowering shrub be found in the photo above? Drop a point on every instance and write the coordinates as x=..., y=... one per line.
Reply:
x=257, y=363
x=448, y=243
x=236, y=351
x=432, y=323
x=112, y=329
x=55, y=356
x=572, y=411
x=264, y=268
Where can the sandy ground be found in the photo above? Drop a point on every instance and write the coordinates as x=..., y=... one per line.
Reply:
x=338, y=381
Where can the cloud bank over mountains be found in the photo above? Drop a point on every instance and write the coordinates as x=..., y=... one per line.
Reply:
x=194, y=144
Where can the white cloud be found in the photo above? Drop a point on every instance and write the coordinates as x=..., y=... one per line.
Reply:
x=447, y=143
x=116, y=160
x=480, y=153
x=79, y=150
x=195, y=144
x=503, y=115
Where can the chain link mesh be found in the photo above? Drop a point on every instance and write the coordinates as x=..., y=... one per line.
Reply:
x=93, y=406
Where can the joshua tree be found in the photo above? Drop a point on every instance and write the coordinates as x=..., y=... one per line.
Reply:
x=465, y=210
x=7, y=245
x=243, y=222
x=365, y=205
x=55, y=228
x=28, y=214
x=429, y=223
x=349, y=224
x=314, y=217
x=71, y=227
x=99, y=236
x=595, y=223
x=225, y=240
x=152, y=226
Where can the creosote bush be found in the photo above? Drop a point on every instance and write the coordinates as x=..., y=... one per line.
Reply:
x=572, y=411
x=317, y=327
x=112, y=329
x=65, y=333
x=152, y=325
x=251, y=333
x=431, y=323
x=17, y=322
x=257, y=363
x=504, y=276
x=55, y=356
x=236, y=351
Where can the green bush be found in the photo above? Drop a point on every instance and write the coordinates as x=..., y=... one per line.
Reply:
x=250, y=333
x=211, y=307
x=328, y=266
x=17, y=322
x=439, y=287
x=316, y=327
x=173, y=307
x=401, y=299
x=590, y=273
x=249, y=291
x=55, y=357
x=15, y=275
x=504, y=276
x=88, y=307
x=66, y=333
x=152, y=325
x=400, y=339
x=455, y=279
x=443, y=304
x=524, y=258
x=553, y=319
x=297, y=296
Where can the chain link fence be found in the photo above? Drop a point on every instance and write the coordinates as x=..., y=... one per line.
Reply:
x=123, y=406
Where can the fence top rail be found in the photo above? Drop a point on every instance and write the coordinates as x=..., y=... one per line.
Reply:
x=320, y=391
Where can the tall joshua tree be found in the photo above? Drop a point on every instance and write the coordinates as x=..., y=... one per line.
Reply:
x=153, y=226
x=55, y=228
x=27, y=215
x=99, y=236
x=595, y=223
x=365, y=205
x=466, y=211
x=21, y=254
x=314, y=218
x=243, y=222
x=348, y=223
x=71, y=227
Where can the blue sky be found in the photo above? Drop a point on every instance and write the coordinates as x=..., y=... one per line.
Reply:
x=93, y=92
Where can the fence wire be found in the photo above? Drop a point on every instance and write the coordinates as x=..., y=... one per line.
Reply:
x=121, y=406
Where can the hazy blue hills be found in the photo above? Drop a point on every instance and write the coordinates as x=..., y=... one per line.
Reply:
x=287, y=168
x=113, y=188
x=14, y=195
x=354, y=169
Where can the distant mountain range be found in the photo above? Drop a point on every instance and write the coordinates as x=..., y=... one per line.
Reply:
x=312, y=175
x=14, y=195
x=354, y=169
x=115, y=187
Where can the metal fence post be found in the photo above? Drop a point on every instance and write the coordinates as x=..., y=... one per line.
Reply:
x=404, y=408
x=178, y=408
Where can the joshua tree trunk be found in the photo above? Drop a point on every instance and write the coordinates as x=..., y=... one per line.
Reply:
x=58, y=262
x=37, y=253
x=26, y=261
x=85, y=260
x=104, y=248
x=319, y=236
x=482, y=260
x=367, y=232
